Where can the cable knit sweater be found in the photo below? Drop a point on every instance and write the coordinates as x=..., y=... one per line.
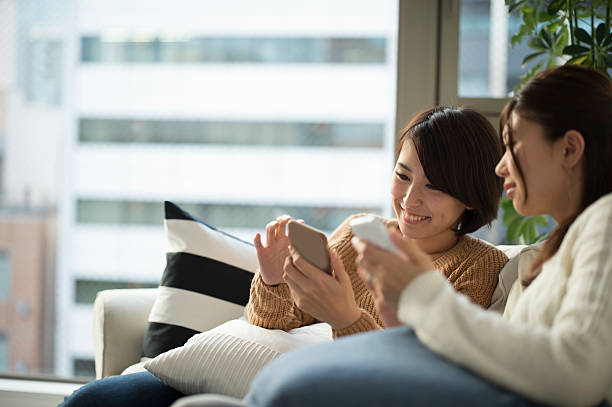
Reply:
x=554, y=342
x=471, y=266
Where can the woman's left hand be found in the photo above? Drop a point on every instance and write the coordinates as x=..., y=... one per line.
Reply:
x=328, y=298
x=387, y=274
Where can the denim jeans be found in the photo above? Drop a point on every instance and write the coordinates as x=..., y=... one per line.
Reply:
x=382, y=368
x=133, y=390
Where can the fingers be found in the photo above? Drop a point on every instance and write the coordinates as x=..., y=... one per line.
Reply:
x=370, y=251
x=409, y=248
x=257, y=243
x=338, y=267
x=282, y=226
x=307, y=268
x=292, y=275
x=270, y=232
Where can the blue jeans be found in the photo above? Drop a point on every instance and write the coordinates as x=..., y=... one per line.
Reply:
x=133, y=390
x=382, y=368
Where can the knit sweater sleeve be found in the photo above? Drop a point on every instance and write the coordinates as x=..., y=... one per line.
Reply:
x=272, y=307
x=479, y=280
x=557, y=349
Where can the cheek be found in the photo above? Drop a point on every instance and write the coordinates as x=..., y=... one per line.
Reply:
x=446, y=207
x=397, y=189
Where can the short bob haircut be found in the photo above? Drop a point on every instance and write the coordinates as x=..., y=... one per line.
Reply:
x=459, y=149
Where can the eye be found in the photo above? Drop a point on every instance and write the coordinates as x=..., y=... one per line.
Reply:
x=401, y=176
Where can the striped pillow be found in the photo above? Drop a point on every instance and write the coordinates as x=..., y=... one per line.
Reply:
x=206, y=281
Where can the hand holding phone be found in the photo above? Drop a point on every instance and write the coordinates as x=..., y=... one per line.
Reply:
x=311, y=244
x=371, y=229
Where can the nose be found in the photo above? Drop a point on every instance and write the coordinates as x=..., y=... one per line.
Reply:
x=413, y=197
x=501, y=169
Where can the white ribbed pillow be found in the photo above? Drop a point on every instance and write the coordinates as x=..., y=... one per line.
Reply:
x=225, y=359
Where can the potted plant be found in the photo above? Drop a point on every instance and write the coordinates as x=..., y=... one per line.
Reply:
x=559, y=32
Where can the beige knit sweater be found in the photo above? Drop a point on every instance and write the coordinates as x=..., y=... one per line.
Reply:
x=471, y=266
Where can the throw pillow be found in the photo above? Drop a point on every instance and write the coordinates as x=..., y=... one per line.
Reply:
x=225, y=359
x=206, y=281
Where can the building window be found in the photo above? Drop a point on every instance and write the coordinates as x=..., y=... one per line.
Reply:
x=83, y=367
x=370, y=135
x=5, y=361
x=218, y=214
x=488, y=66
x=160, y=49
x=5, y=275
x=85, y=290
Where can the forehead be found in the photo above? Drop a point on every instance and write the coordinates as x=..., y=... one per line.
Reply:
x=409, y=157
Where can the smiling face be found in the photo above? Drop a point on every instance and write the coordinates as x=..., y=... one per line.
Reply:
x=542, y=187
x=425, y=214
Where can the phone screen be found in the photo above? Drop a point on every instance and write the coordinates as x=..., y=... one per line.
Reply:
x=311, y=243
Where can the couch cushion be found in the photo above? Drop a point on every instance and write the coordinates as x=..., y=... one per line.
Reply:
x=206, y=281
x=225, y=359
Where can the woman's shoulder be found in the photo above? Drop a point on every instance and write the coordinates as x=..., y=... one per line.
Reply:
x=481, y=248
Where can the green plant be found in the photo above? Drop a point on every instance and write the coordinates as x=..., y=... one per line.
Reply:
x=564, y=31
x=559, y=32
x=521, y=229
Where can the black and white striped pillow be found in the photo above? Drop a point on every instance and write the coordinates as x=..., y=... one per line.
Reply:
x=206, y=281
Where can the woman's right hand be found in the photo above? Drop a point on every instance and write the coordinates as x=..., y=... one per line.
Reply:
x=272, y=256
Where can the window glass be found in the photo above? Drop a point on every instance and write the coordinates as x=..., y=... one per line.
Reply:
x=488, y=66
x=237, y=111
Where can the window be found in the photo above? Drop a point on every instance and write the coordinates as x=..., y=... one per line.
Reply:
x=159, y=49
x=237, y=111
x=222, y=215
x=85, y=290
x=5, y=355
x=232, y=133
x=479, y=68
x=83, y=367
x=5, y=275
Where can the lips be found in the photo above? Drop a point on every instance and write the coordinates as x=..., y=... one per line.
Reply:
x=414, y=219
x=510, y=187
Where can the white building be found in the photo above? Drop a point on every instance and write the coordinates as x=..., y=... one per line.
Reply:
x=280, y=85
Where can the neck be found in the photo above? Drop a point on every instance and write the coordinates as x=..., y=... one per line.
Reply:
x=568, y=203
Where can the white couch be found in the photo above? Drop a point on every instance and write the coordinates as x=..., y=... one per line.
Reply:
x=120, y=318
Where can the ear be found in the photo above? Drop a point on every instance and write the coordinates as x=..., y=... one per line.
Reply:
x=572, y=145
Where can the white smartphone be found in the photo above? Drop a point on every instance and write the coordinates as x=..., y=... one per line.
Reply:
x=372, y=229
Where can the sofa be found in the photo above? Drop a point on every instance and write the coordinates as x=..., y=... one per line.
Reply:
x=121, y=317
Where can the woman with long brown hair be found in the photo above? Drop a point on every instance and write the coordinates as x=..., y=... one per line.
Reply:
x=553, y=344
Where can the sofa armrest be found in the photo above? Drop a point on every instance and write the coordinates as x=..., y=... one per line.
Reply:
x=120, y=322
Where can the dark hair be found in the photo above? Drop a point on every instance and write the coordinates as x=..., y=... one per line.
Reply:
x=459, y=149
x=569, y=97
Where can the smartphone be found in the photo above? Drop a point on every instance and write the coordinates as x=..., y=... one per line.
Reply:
x=311, y=243
x=373, y=230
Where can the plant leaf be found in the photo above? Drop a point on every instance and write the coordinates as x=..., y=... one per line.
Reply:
x=608, y=59
x=530, y=57
x=582, y=35
x=545, y=35
x=514, y=4
x=577, y=60
x=541, y=220
x=514, y=229
x=601, y=33
x=575, y=50
x=555, y=6
x=537, y=44
x=607, y=41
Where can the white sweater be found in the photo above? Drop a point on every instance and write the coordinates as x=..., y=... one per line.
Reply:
x=554, y=344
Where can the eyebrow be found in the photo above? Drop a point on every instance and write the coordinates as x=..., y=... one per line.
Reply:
x=404, y=166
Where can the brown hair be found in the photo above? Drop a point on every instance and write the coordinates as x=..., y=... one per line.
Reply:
x=459, y=149
x=569, y=97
